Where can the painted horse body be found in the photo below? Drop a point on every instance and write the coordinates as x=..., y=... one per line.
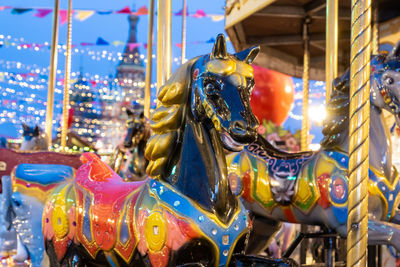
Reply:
x=25, y=193
x=184, y=215
x=312, y=187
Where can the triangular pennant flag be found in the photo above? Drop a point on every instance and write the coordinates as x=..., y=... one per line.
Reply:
x=199, y=14
x=18, y=11
x=82, y=15
x=86, y=44
x=101, y=41
x=4, y=7
x=41, y=13
x=117, y=43
x=142, y=11
x=104, y=12
x=64, y=16
x=217, y=17
x=178, y=45
x=180, y=12
x=133, y=45
x=125, y=10
x=210, y=41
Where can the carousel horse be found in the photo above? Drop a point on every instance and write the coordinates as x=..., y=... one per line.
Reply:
x=138, y=132
x=186, y=214
x=312, y=187
x=25, y=193
x=33, y=139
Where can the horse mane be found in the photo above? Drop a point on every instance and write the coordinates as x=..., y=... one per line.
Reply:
x=167, y=119
x=338, y=107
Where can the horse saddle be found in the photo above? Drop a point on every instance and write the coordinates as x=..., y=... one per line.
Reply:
x=44, y=174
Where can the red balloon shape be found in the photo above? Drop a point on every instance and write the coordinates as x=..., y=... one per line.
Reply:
x=272, y=96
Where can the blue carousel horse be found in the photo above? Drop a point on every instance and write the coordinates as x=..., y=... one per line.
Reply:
x=138, y=132
x=312, y=187
x=186, y=214
x=24, y=196
x=33, y=138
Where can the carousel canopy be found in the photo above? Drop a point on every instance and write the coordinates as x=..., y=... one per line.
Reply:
x=277, y=26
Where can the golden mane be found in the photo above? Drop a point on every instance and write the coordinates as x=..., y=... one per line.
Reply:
x=167, y=119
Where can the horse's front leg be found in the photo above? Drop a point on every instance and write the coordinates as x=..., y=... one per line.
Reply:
x=22, y=253
x=383, y=233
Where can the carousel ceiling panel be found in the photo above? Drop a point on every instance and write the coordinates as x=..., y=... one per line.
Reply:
x=278, y=28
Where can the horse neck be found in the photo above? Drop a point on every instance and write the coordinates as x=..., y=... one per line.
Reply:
x=201, y=170
x=380, y=145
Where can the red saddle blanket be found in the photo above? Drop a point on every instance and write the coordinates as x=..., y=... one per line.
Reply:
x=107, y=193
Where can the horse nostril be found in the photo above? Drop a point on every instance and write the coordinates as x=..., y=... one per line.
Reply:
x=239, y=126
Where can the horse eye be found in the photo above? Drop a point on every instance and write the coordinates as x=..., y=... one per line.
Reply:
x=389, y=80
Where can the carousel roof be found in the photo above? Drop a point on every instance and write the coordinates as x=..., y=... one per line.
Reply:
x=276, y=25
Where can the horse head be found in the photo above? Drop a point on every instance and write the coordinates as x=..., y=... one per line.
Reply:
x=203, y=108
x=221, y=92
x=136, y=129
x=385, y=89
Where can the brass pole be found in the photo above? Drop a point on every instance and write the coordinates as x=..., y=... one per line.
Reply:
x=147, y=88
x=52, y=74
x=331, y=59
x=357, y=218
x=67, y=80
x=163, y=42
x=375, y=30
x=183, y=32
x=306, y=60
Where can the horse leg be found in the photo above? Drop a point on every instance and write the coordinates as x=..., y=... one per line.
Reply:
x=263, y=230
x=383, y=233
x=22, y=254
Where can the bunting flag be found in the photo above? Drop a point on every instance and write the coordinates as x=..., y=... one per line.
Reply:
x=82, y=15
x=41, y=13
x=142, y=11
x=20, y=10
x=134, y=45
x=125, y=10
x=101, y=41
x=64, y=16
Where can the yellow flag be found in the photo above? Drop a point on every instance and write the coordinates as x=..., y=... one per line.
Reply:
x=83, y=14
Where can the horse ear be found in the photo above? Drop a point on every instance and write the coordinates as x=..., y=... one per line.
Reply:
x=129, y=112
x=219, y=50
x=395, y=51
x=36, y=131
x=249, y=54
x=25, y=127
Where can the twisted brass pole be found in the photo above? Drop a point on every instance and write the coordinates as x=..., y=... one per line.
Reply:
x=375, y=30
x=147, y=88
x=357, y=220
x=67, y=81
x=52, y=74
x=306, y=61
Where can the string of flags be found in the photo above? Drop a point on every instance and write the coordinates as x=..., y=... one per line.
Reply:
x=100, y=41
x=84, y=14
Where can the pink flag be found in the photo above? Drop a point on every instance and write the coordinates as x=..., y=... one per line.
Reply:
x=125, y=10
x=178, y=45
x=199, y=14
x=41, y=13
x=133, y=46
x=64, y=16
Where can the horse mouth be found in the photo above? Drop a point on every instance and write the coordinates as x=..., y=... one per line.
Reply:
x=229, y=143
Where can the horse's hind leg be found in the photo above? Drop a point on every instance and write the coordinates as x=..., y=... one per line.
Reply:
x=383, y=233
